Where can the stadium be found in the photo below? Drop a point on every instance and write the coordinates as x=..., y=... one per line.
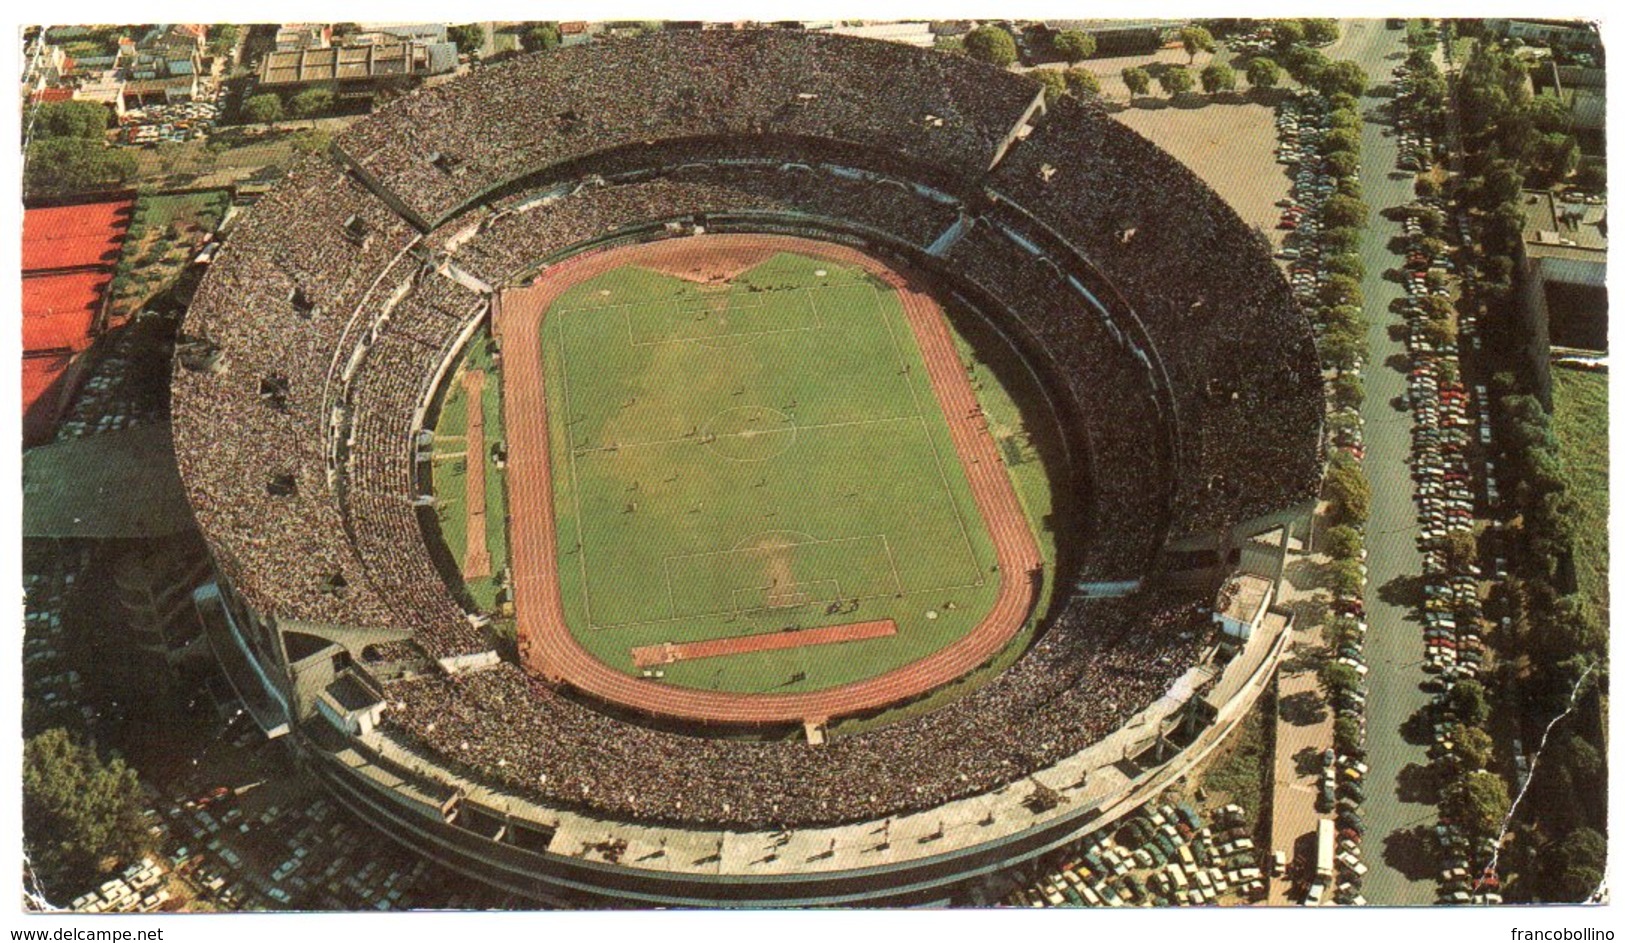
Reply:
x=605, y=459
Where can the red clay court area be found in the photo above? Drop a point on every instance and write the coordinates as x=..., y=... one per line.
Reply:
x=68, y=257
x=546, y=646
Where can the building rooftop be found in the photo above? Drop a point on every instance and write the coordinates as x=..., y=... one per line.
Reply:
x=1242, y=597
x=1554, y=228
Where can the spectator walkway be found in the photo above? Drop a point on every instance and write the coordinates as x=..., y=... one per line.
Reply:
x=1303, y=724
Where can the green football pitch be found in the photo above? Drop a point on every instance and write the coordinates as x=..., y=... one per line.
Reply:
x=750, y=457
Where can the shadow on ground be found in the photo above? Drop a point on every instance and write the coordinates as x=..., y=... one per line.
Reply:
x=1304, y=709
x=1409, y=852
x=1418, y=783
x=1402, y=591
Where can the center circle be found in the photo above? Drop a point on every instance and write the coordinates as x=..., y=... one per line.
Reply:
x=750, y=433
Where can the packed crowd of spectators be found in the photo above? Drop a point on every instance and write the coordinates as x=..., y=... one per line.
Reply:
x=383, y=481
x=1111, y=387
x=511, y=241
x=1102, y=662
x=1238, y=351
x=276, y=306
x=440, y=148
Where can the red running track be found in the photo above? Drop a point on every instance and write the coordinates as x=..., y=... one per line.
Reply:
x=546, y=646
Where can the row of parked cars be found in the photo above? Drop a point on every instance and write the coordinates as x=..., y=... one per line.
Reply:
x=172, y=122
x=1166, y=854
x=1302, y=122
x=1417, y=150
x=138, y=889
x=1446, y=424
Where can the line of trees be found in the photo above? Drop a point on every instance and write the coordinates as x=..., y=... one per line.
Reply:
x=1549, y=636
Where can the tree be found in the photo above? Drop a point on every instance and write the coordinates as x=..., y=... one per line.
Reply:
x=1138, y=81
x=1438, y=332
x=1572, y=869
x=1470, y=702
x=1341, y=350
x=1336, y=678
x=1348, y=390
x=265, y=108
x=1054, y=82
x=1340, y=239
x=1320, y=31
x=1549, y=114
x=1345, y=579
x=1286, y=33
x=1218, y=77
x=1344, y=118
x=223, y=38
x=1478, y=802
x=1263, y=73
x=1196, y=39
x=1460, y=550
x=1176, y=80
x=1341, y=77
x=992, y=45
x=1475, y=747
x=1344, y=318
x=314, y=141
x=1340, y=140
x=1340, y=290
x=1342, y=542
x=72, y=165
x=69, y=119
x=1082, y=83
x=1304, y=64
x=1426, y=188
x=1344, y=263
x=1346, y=736
x=79, y=814
x=1350, y=495
x=1074, y=46
x=310, y=103
x=1551, y=158
x=469, y=37
x=1340, y=211
x=1593, y=175
x=539, y=37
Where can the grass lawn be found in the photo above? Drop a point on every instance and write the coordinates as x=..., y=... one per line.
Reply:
x=160, y=243
x=731, y=460
x=451, y=471
x=1580, y=421
x=1240, y=773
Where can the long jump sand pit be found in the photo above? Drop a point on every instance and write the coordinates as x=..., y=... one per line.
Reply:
x=647, y=656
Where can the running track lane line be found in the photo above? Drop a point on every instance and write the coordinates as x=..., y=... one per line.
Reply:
x=549, y=650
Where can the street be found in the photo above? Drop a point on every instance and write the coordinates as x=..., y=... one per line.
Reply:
x=1399, y=797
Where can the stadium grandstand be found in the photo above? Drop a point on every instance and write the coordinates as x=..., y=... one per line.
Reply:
x=322, y=338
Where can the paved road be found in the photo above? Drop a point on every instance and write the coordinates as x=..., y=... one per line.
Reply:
x=1396, y=798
